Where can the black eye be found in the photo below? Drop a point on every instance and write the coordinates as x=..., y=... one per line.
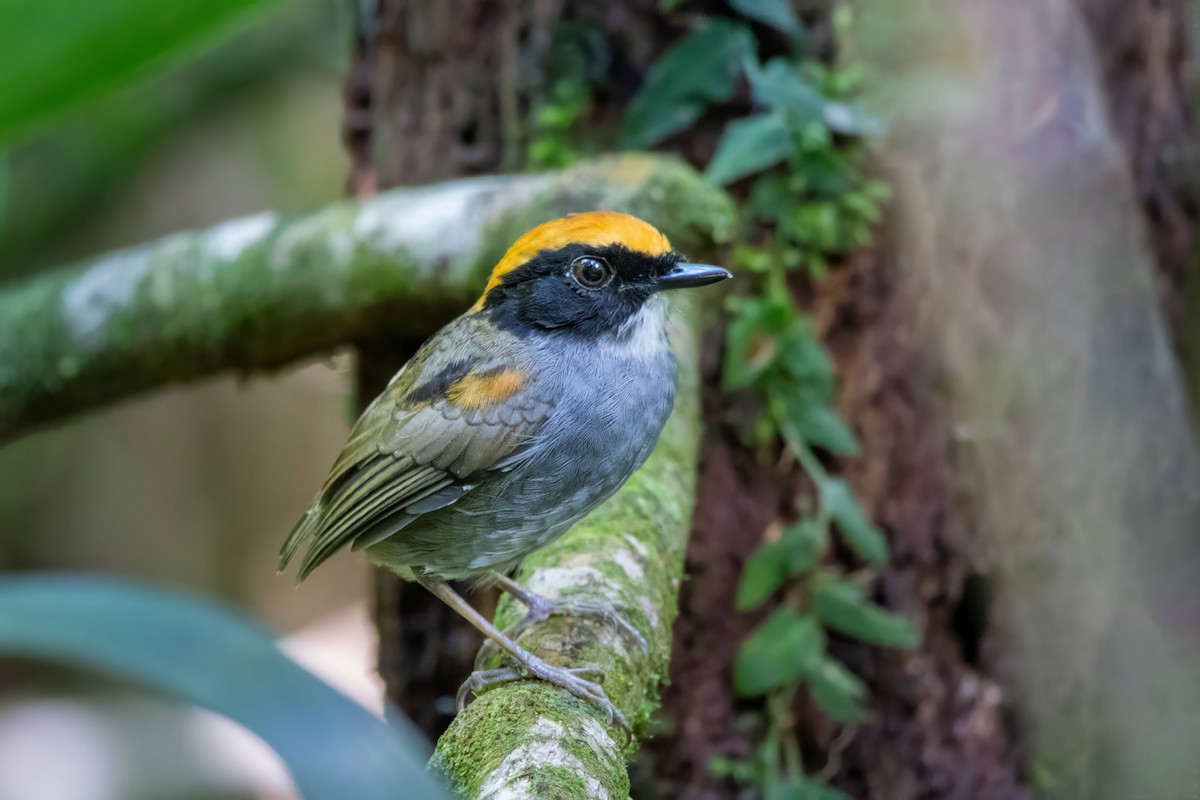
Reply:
x=591, y=272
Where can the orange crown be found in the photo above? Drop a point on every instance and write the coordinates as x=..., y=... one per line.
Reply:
x=595, y=228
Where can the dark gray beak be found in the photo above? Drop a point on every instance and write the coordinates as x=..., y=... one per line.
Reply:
x=685, y=276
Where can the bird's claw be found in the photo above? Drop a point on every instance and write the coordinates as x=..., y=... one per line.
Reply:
x=609, y=612
x=542, y=608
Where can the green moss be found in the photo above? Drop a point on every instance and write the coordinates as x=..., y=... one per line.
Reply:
x=194, y=304
x=479, y=740
x=553, y=781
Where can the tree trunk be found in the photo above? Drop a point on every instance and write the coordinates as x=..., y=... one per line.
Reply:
x=942, y=725
x=452, y=91
x=1141, y=48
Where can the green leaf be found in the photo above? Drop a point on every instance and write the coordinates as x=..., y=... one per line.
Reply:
x=752, y=343
x=806, y=359
x=753, y=259
x=770, y=197
x=816, y=225
x=4, y=188
x=778, y=652
x=786, y=789
x=733, y=769
x=777, y=14
x=750, y=145
x=56, y=55
x=779, y=86
x=837, y=691
x=822, y=792
x=842, y=606
x=193, y=650
x=698, y=72
x=819, y=425
x=864, y=538
x=801, y=788
x=764, y=573
x=803, y=544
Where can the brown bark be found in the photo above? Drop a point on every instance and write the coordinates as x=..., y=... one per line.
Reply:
x=456, y=78
x=939, y=729
x=453, y=87
x=1141, y=48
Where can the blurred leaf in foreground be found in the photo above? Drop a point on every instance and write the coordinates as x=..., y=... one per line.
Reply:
x=195, y=651
x=55, y=57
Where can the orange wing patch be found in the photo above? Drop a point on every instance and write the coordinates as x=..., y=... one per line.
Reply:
x=477, y=390
x=595, y=228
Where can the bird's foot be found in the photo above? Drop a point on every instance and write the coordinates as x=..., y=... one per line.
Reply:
x=573, y=679
x=542, y=608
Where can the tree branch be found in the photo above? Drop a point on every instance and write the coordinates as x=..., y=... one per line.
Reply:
x=261, y=292
x=534, y=740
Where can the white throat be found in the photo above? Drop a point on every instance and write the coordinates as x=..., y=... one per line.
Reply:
x=644, y=335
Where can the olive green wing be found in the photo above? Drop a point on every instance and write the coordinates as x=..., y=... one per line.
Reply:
x=422, y=445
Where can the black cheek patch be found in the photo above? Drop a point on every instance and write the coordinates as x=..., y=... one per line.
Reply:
x=540, y=295
x=557, y=304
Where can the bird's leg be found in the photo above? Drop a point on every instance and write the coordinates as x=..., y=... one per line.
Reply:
x=482, y=679
x=542, y=608
x=530, y=665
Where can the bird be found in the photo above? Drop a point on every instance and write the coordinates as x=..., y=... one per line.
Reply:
x=510, y=424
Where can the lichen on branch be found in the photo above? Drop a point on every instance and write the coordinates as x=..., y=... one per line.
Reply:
x=260, y=292
x=264, y=291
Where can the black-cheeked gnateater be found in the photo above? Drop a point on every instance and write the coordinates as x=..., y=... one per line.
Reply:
x=512, y=423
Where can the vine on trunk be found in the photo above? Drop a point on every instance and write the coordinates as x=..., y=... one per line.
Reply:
x=802, y=160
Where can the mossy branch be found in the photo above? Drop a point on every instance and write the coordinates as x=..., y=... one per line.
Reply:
x=532, y=740
x=261, y=292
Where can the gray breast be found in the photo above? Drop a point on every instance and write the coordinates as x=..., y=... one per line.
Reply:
x=612, y=407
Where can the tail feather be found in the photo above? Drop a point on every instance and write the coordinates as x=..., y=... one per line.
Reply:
x=305, y=531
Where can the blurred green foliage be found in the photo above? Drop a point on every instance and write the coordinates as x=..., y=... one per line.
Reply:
x=55, y=58
x=576, y=66
x=76, y=163
x=553, y=143
x=197, y=652
x=85, y=94
x=244, y=121
x=699, y=71
x=777, y=14
x=805, y=172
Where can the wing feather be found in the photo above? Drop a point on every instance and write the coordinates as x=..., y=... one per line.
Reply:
x=416, y=449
